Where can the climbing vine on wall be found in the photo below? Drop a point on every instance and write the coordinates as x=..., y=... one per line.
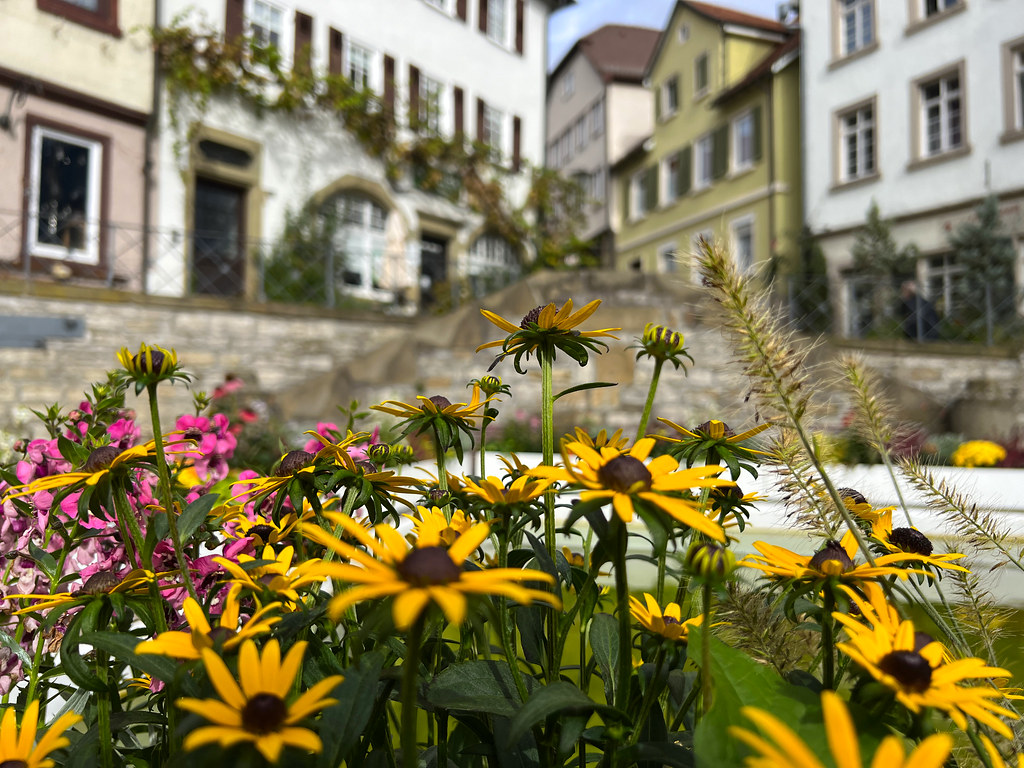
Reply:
x=198, y=63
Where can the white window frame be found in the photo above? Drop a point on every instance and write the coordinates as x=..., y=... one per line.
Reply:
x=736, y=227
x=599, y=186
x=597, y=118
x=494, y=130
x=254, y=10
x=942, y=6
x=568, y=84
x=637, y=196
x=856, y=17
x=864, y=135
x=700, y=90
x=703, y=161
x=498, y=23
x=433, y=91
x=90, y=254
x=440, y=5
x=352, y=47
x=668, y=177
x=736, y=156
x=945, y=108
x=668, y=258
x=1013, y=88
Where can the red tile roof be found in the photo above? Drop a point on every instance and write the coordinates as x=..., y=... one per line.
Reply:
x=729, y=16
x=617, y=52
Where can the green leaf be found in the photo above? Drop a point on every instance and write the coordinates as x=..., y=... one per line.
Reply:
x=604, y=645
x=195, y=514
x=478, y=686
x=76, y=667
x=559, y=698
x=121, y=646
x=581, y=387
x=43, y=559
x=12, y=645
x=343, y=723
x=658, y=753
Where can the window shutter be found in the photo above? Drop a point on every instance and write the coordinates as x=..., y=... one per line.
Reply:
x=389, y=87
x=657, y=104
x=520, y=24
x=482, y=16
x=460, y=9
x=335, y=49
x=684, y=174
x=414, y=96
x=480, y=121
x=460, y=121
x=651, y=182
x=234, y=20
x=756, y=117
x=720, y=152
x=303, y=42
x=517, y=127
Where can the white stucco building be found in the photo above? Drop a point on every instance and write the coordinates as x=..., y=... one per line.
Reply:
x=469, y=67
x=917, y=105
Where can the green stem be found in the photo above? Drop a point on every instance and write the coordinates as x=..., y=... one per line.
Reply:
x=442, y=472
x=828, y=661
x=410, y=683
x=650, y=695
x=126, y=519
x=348, y=502
x=483, y=446
x=106, y=738
x=651, y=391
x=705, y=649
x=167, y=494
x=547, y=440
x=625, y=660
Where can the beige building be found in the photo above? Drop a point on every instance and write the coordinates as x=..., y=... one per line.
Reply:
x=597, y=109
x=76, y=90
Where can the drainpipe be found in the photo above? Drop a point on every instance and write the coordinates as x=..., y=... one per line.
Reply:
x=148, y=165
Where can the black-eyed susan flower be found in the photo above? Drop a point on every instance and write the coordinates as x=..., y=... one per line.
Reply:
x=919, y=674
x=264, y=530
x=709, y=561
x=662, y=345
x=609, y=475
x=432, y=524
x=600, y=440
x=859, y=506
x=255, y=708
x=666, y=623
x=543, y=330
x=911, y=542
x=714, y=442
x=134, y=582
x=102, y=463
x=274, y=575
x=293, y=466
x=227, y=634
x=438, y=415
x=150, y=365
x=777, y=746
x=18, y=747
x=833, y=561
x=494, y=492
x=978, y=453
x=491, y=385
x=419, y=574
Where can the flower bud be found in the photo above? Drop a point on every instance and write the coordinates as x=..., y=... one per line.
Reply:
x=710, y=561
x=490, y=385
x=659, y=339
x=379, y=453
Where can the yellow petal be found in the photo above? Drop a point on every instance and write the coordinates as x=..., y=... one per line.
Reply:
x=842, y=737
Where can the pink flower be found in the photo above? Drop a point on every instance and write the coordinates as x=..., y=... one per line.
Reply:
x=124, y=433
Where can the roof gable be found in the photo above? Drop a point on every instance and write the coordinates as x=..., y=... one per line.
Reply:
x=618, y=53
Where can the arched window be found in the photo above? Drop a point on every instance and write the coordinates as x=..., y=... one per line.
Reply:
x=360, y=223
x=493, y=263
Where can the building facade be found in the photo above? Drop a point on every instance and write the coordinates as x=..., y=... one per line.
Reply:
x=916, y=107
x=235, y=176
x=723, y=159
x=76, y=181
x=597, y=110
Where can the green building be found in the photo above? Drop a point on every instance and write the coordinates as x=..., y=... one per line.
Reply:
x=723, y=160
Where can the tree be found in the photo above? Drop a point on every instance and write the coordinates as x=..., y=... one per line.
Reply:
x=985, y=251
x=882, y=265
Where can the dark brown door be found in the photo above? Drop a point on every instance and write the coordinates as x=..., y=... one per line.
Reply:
x=218, y=248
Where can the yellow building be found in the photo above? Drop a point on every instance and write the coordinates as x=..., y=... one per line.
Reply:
x=723, y=160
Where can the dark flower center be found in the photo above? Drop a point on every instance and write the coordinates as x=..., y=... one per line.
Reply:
x=368, y=467
x=195, y=434
x=263, y=531
x=99, y=583
x=429, y=566
x=855, y=496
x=910, y=668
x=440, y=402
x=909, y=540
x=221, y=634
x=531, y=317
x=832, y=553
x=13, y=764
x=670, y=620
x=921, y=639
x=438, y=496
x=101, y=458
x=623, y=474
x=141, y=362
x=264, y=713
x=292, y=462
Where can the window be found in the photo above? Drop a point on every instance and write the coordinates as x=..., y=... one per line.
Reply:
x=704, y=151
x=743, y=141
x=493, y=263
x=743, y=244
x=669, y=97
x=565, y=148
x=670, y=178
x=935, y=7
x=493, y=123
x=684, y=33
x=941, y=115
x=496, y=25
x=360, y=62
x=598, y=186
x=638, y=195
x=856, y=25
x=700, y=75
x=597, y=118
x=362, y=241
x=1013, y=88
x=100, y=15
x=857, y=143
x=266, y=23
x=568, y=83
x=65, y=196
x=668, y=258
x=431, y=91
x=553, y=154
x=581, y=134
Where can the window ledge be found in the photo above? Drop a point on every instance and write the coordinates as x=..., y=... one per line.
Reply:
x=701, y=95
x=919, y=24
x=859, y=53
x=842, y=186
x=925, y=162
x=737, y=173
x=1011, y=135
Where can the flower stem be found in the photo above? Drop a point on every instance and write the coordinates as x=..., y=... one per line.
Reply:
x=135, y=540
x=650, y=695
x=828, y=661
x=617, y=530
x=651, y=391
x=442, y=471
x=168, y=496
x=410, y=683
x=106, y=738
x=705, y=649
x=547, y=440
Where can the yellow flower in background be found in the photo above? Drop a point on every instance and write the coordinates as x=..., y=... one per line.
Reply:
x=911, y=542
x=102, y=462
x=255, y=709
x=133, y=582
x=419, y=574
x=18, y=746
x=289, y=467
x=622, y=478
x=777, y=746
x=978, y=453
x=600, y=440
x=667, y=623
x=522, y=490
x=188, y=645
x=275, y=576
x=438, y=405
x=431, y=524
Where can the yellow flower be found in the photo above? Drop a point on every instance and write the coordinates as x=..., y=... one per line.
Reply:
x=265, y=530
x=101, y=463
x=522, y=490
x=610, y=474
x=101, y=583
x=713, y=430
x=291, y=466
x=780, y=747
x=667, y=623
x=600, y=440
x=277, y=576
x=18, y=747
x=188, y=645
x=835, y=560
x=438, y=405
x=911, y=542
x=418, y=575
x=152, y=364
x=432, y=524
x=254, y=709
x=918, y=673
x=978, y=453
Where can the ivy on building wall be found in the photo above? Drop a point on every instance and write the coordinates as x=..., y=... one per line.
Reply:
x=197, y=63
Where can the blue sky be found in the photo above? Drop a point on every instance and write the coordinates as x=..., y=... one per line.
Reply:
x=569, y=24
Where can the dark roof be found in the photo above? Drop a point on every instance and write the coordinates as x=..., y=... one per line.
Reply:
x=618, y=53
x=729, y=16
x=763, y=69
